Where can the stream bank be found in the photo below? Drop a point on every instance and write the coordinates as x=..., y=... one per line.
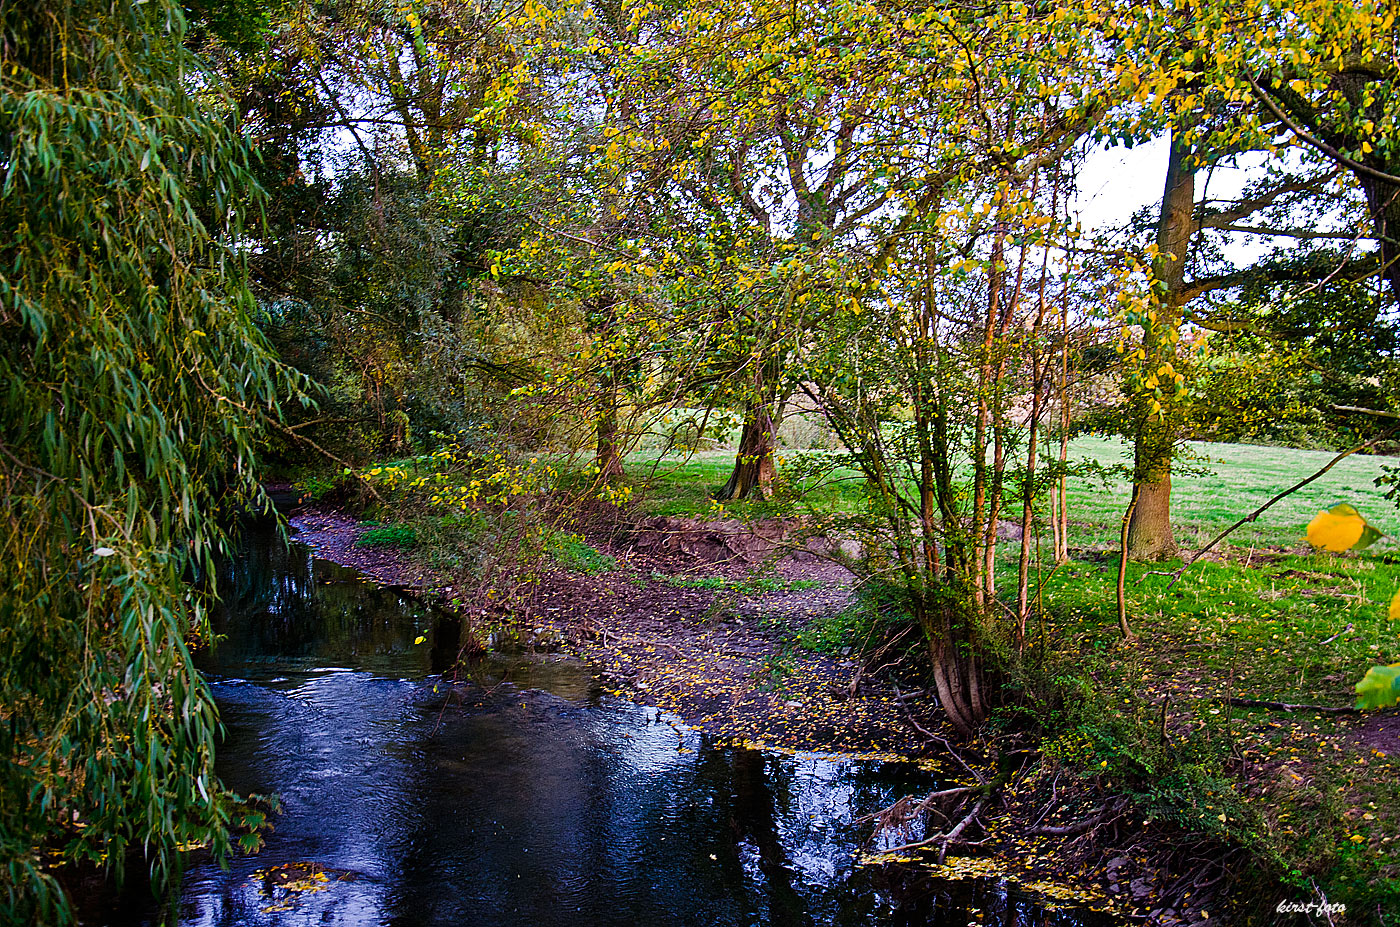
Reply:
x=680, y=626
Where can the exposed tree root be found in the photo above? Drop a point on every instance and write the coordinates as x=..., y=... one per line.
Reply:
x=1105, y=815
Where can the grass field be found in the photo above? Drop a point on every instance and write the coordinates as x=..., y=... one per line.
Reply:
x=1215, y=484
x=1226, y=481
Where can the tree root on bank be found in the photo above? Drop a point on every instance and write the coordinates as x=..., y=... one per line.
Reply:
x=1285, y=706
x=1105, y=815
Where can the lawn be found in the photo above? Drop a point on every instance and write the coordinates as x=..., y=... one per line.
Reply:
x=1215, y=484
x=1222, y=482
x=1315, y=793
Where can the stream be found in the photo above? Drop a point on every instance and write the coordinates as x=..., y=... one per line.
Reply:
x=520, y=795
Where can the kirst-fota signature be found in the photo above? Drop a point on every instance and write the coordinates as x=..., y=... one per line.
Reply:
x=1322, y=908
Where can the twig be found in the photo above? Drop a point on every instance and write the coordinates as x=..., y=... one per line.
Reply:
x=1329, y=640
x=1283, y=495
x=1362, y=411
x=1285, y=706
x=981, y=779
x=1316, y=142
x=327, y=454
x=1123, y=565
x=899, y=700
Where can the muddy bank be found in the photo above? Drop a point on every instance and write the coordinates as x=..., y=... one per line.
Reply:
x=675, y=626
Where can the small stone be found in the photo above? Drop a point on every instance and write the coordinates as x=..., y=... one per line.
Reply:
x=1140, y=889
x=792, y=704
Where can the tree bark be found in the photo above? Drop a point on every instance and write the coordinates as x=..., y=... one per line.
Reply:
x=608, y=453
x=754, y=468
x=608, y=457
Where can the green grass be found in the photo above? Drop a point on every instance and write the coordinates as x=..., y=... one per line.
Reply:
x=1300, y=629
x=377, y=535
x=1215, y=485
x=682, y=486
x=1242, y=477
x=753, y=585
x=572, y=553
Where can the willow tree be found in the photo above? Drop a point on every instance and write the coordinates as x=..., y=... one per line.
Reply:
x=136, y=388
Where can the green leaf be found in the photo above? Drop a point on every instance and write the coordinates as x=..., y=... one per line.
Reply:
x=1379, y=688
x=1369, y=535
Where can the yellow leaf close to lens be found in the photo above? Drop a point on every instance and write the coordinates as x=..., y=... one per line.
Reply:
x=1336, y=529
x=1395, y=607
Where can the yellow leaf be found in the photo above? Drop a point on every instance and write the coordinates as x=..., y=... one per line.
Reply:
x=1336, y=529
x=1395, y=607
x=419, y=639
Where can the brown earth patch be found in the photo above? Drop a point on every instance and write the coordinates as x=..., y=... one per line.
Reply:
x=333, y=534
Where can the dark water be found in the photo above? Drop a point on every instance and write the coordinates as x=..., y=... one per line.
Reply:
x=519, y=796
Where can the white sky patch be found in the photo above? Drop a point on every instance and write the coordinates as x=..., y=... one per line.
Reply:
x=1116, y=182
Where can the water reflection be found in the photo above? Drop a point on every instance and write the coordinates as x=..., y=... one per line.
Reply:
x=524, y=797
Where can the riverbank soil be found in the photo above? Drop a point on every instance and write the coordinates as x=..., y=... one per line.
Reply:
x=1155, y=793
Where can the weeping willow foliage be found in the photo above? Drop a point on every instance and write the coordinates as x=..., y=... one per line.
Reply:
x=134, y=387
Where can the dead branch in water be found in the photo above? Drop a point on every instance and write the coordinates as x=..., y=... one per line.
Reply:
x=951, y=838
x=906, y=808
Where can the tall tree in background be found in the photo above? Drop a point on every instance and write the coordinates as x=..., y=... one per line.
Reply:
x=137, y=388
x=1188, y=64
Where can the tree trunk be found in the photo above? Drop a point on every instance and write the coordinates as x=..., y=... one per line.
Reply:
x=956, y=676
x=1150, y=531
x=754, y=468
x=1150, y=528
x=608, y=457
